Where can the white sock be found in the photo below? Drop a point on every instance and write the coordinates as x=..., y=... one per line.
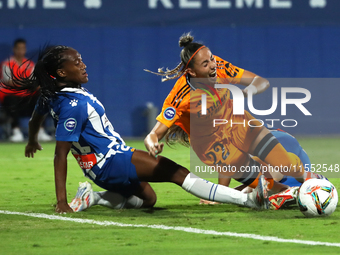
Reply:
x=214, y=192
x=115, y=200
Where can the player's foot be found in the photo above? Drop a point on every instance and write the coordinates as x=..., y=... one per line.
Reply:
x=84, y=197
x=258, y=199
x=207, y=202
x=284, y=198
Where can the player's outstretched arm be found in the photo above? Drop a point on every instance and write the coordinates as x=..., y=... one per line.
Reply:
x=60, y=173
x=33, y=129
x=151, y=141
x=256, y=84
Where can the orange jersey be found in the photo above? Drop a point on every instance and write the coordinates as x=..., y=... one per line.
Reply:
x=183, y=104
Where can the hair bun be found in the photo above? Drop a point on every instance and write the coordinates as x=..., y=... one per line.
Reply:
x=185, y=40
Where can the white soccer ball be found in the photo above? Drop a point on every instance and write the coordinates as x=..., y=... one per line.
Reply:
x=317, y=197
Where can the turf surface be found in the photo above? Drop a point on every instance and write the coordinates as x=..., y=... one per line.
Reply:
x=27, y=185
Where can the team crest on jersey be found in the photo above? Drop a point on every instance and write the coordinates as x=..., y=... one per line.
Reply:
x=74, y=102
x=70, y=124
x=169, y=113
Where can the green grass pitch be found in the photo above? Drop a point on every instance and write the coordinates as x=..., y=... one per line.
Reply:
x=27, y=185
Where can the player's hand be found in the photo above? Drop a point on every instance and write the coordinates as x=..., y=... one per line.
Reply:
x=63, y=207
x=32, y=148
x=156, y=149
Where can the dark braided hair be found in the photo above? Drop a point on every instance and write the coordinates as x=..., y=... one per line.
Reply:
x=43, y=79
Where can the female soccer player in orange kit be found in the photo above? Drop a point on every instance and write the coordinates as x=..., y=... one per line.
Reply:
x=225, y=145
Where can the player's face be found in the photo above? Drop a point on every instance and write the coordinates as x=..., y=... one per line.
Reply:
x=19, y=50
x=73, y=69
x=204, y=65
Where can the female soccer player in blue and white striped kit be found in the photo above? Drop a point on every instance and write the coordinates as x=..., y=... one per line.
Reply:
x=83, y=128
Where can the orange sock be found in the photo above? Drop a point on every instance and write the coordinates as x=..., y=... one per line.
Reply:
x=255, y=182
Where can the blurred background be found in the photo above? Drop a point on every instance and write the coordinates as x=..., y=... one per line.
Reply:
x=286, y=41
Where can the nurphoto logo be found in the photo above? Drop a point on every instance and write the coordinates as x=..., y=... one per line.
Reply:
x=239, y=100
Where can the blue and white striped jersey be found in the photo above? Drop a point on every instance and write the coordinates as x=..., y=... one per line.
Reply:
x=80, y=118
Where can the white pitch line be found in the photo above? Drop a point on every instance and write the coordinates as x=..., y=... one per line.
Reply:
x=163, y=227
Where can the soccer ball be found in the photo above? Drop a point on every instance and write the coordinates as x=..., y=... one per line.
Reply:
x=317, y=197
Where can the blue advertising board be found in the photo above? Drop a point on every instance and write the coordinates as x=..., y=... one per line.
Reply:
x=120, y=38
x=127, y=13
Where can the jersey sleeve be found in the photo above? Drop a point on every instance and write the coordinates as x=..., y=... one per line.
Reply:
x=175, y=104
x=229, y=71
x=72, y=117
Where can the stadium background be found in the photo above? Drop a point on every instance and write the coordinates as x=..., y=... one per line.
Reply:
x=277, y=39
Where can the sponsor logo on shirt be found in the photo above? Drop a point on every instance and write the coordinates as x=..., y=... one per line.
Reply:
x=169, y=113
x=86, y=162
x=70, y=124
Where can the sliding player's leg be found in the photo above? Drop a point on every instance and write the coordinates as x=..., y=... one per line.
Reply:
x=231, y=162
x=164, y=170
x=268, y=149
x=259, y=141
x=245, y=169
x=126, y=178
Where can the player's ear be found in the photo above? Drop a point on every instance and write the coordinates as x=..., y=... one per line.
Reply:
x=61, y=73
x=191, y=72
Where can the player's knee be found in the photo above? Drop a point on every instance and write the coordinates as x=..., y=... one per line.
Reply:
x=288, y=161
x=150, y=201
x=153, y=201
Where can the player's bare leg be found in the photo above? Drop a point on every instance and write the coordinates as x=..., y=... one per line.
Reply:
x=161, y=169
